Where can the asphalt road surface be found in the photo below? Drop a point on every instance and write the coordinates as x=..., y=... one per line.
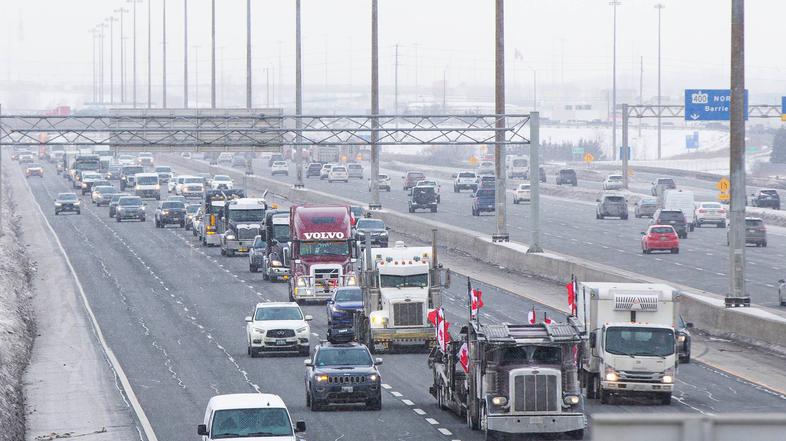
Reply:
x=173, y=311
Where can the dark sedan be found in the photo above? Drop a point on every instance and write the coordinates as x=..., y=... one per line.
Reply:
x=130, y=207
x=67, y=202
x=373, y=229
x=342, y=374
x=170, y=212
x=114, y=201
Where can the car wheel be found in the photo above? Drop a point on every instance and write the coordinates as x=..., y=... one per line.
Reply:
x=252, y=269
x=265, y=275
x=764, y=244
x=314, y=405
x=434, y=210
x=142, y=219
x=665, y=399
x=376, y=403
x=675, y=251
x=308, y=398
x=118, y=218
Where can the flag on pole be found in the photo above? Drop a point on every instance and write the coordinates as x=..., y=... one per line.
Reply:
x=571, y=297
x=475, y=302
x=463, y=357
x=531, y=318
x=546, y=318
x=443, y=337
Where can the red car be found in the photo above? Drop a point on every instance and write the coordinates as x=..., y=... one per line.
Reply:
x=660, y=238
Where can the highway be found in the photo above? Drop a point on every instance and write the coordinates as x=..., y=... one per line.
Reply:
x=173, y=311
x=570, y=227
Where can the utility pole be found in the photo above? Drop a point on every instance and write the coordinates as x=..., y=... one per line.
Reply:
x=298, y=98
x=375, y=202
x=624, y=153
x=149, y=51
x=213, y=54
x=534, y=181
x=641, y=91
x=163, y=62
x=534, y=89
x=267, y=87
x=395, y=83
x=185, y=54
x=445, y=90
x=196, y=79
x=614, y=5
x=122, y=11
x=659, y=7
x=737, y=293
x=499, y=136
x=111, y=20
x=248, y=54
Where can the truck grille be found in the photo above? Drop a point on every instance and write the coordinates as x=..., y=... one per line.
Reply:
x=536, y=393
x=408, y=314
x=353, y=379
x=281, y=333
x=326, y=277
x=247, y=233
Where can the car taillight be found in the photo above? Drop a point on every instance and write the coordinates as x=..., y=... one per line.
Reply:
x=761, y=229
x=702, y=210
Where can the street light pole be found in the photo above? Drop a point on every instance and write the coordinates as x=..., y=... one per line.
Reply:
x=163, y=61
x=375, y=202
x=737, y=293
x=122, y=11
x=101, y=27
x=298, y=99
x=94, y=33
x=248, y=54
x=133, y=48
x=614, y=4
x=111, y=21
x=213, y=54
x=501, y=234
x=659, y=7
x=185, y=54
x=149, y=68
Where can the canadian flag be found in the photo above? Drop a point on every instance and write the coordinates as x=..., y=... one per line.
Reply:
x=571, y=297
x=463, y=357
x=443, y=337
x=546, y=319
x=476, y=302
x=432, y=317
x=531, y=318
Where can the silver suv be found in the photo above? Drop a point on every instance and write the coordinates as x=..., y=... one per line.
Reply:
x=612, y=205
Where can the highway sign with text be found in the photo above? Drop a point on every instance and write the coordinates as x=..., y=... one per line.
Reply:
x=709, y=104
x=783, y=108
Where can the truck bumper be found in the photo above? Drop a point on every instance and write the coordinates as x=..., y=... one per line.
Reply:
x=311, y=293
x=403, y=336
x=278, y=272
x=620, y=386
x=546, y=423
x=238, y=246
x=212, y=239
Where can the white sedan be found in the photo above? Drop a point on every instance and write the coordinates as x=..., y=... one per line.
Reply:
x=278, y=327
x=279, y=168
x=521, y=193
x=338, y=173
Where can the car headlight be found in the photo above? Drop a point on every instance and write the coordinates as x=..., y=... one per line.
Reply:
x=158, y=187
x=275, y=263
x=571, y=400
x=76, y=203
x=373, y=377
x=302, y=330
x=321, y=378
x=668, y=376
x=681, y=338
x=352, y=280
x=58, y=204
x=259, y=330
x=384, y=233
x=611, y=374
x=499, y=401
x=230, y=237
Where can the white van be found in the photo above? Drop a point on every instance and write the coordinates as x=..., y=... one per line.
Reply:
x=681, y=200
x=147, y=185
x=517, y=166
x=248, y=416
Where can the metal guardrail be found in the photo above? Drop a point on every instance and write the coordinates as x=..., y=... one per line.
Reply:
x=683, y=427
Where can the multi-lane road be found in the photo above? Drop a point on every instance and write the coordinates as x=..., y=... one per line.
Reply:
x=172, y=311
x=569, y=227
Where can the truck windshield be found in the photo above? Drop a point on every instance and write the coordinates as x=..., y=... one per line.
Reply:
x=531, y=355
x=281, y=233
x=520, y=163
x=147, y=180
x=248, y=423
x=413, y=281
x=247, y=215
x=334, y=248
x=654, y=342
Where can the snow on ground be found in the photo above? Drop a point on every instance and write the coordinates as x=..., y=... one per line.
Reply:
x=16, y=324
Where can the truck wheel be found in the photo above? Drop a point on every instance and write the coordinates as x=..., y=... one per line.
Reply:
x=593, y=385
x=692, y=227
x=473, y=421
x=223, y=252
x=576, y=434
x=264, y=275
x=605, y=397
x=434, y=209
x=665, y=399
x=230, y=253
x=252, y=269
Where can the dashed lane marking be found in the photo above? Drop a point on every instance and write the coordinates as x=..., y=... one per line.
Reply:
x=419, y=411
x=408, y=402
x=386, y=386
x=432, y=421
x=396, y=394
x=445, y=431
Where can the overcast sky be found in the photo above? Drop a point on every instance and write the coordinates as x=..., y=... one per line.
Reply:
x=568, y=42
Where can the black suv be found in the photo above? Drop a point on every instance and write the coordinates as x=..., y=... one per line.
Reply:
x=343, y=373
x=376, y=231
x=567, y=176
x=675, y=218
x=313, y=169
x=423, y=198
x=170, y=212
x=766, y=197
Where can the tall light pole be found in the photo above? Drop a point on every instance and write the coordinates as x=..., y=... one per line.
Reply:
x=248, y=54
x=163, y=56
x=149, y=68
x=614, y=5
x=101, y=27
x=111, y=20
x=298, y=98
x=185, y=54
x=375, y=202
x=122, y=11
x=737, y=293
x=94, y=33
x=501, y=234
x=133, y=55
x=659, y=7
x=213, y=54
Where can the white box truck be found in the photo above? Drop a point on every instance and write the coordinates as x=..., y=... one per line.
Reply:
x=683, y=200
x=630, y=347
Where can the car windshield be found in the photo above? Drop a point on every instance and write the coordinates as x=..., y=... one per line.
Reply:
x=520, y=163
x=648, y=201
x=251, y=423
x=147, y=180
x=466, y=175
x=671, y=215
x=339, y=169
x=194, y=180
x=355, y=166
x=278, y=313
x=255, y=215
x=370, y=224
x=130, y=202
x=221, y=178
x=412, y=281
x=485, y=193
x=67, y=197
x=524, y=187
x=116, y=197
x=615, y=178
x=753, y=223
x=191, y=209
x=280, y=164
x=343, y=357
x=168, y=205
x=639, y=341
x=163, y=169
x=712, y=205
x=769, y=193
x=349, y=295
x=334, y=248
x=667, y=182
x=281, y=232
x=314, y=166
x=383, y=177
x=416, y=176
x=661, y=230
x=615, y=199
x=105, y=189
x=356, y=211
x=130, y=171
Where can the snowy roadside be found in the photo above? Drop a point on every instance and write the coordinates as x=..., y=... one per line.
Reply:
x=16, y=322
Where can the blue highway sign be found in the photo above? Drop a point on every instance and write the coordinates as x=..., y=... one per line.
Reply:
x=709, y=104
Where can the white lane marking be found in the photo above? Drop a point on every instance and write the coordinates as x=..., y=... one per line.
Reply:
x=408, y=402
x=419, y=411
x=445, y=431
x=315, y=334
x=386, y=386
x=720, y=274
x=140, y=413
x=396, y=394
x=432, y=421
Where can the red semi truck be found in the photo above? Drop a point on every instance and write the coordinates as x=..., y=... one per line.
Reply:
x=322, y=251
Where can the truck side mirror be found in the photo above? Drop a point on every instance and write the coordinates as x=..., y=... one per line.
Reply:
x=300, y=427
x=593, y=340
x=202, y=430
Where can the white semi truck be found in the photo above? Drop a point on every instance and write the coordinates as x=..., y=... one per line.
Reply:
x=631, y=346
x=400, y=285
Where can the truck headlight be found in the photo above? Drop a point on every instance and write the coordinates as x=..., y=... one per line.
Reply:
x=158, y=187
x=352, y=280
x=611, y=374
x=275, y=263
x=571, y=400
x=301, y=282
x=668, y=376
x=377, y=320
x=58, y=204
x=229, y=237
x=681, y=338
x=499, y=401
